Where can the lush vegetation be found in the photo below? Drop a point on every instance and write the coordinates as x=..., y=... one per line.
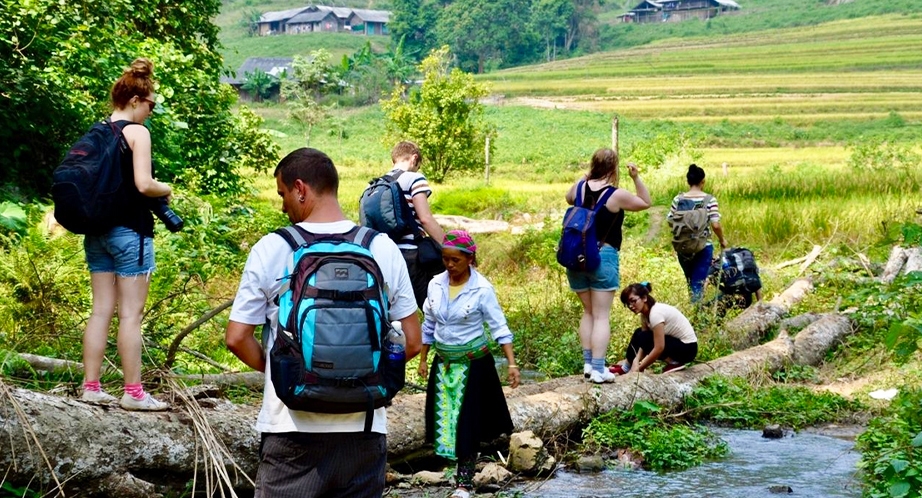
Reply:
x=662, y=445
x=891, y=449
x=59, y=61
x=822, y=147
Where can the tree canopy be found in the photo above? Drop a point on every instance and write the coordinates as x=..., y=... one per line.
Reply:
x=60, y=60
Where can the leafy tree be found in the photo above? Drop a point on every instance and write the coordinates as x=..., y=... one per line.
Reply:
x=249, y=21
x=444, y=117
x=60, y=59
x=314, y=75
x=583, y=25
x=413, y=25
x=550, y=19
x=259, y=84
x=479, y=32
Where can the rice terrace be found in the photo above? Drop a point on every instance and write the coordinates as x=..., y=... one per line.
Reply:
x=806, y=116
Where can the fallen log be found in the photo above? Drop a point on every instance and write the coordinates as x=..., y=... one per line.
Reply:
x=913, y=260
x=894, y=264
x=51, y=364
x=812, y=343
x=750, y=326
x=87, y=445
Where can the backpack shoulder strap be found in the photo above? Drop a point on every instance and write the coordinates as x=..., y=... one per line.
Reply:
x=296, y=236
x=578, y=201
x=609, y=191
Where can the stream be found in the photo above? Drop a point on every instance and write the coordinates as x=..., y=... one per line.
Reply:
x=811, y=465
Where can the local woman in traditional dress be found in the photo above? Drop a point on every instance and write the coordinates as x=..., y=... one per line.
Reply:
x=465, y=404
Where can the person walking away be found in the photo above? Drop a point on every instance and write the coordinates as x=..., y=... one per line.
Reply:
x=465, y=404
x=596, y=289
x=121, y=260
x=691, y=239
x=423, y=263
x=304, y=453
x=664, y=333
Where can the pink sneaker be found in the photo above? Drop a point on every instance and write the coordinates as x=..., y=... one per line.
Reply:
x=674, y=367
x=617, y=369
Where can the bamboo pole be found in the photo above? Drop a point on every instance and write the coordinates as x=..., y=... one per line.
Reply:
x=486, y=155
x=614, y=133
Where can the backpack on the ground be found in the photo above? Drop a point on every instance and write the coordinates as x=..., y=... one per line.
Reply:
x=328, y=355
x=384, y=208
x=579, y=246
x=87, y=186
x=739, y=273
x=690, y=225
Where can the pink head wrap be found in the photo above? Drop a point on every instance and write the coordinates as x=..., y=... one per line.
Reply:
x=460, y=240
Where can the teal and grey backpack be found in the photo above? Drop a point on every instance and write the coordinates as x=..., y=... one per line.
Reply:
x=332, y=321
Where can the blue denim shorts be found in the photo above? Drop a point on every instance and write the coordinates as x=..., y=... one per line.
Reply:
x=121, y=251
x=607, y=277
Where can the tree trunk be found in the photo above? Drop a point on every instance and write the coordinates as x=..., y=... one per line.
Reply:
x=750, y=326
x=96, y=448
x=894, y=265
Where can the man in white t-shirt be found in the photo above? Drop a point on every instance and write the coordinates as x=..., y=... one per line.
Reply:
x=307, y=454
x=407, y=159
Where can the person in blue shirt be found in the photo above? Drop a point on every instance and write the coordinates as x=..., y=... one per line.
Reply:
x=465, y=404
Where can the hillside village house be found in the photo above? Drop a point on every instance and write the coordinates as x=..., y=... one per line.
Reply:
x=321, y=18
x=677, y=10
x=276, y=67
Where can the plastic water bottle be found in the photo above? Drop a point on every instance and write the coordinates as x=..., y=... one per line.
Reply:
x=396, y=343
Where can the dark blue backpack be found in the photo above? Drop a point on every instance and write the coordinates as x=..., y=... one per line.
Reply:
x=332, y=322
x=579, y=246
x=384, y=208
x=87, y=187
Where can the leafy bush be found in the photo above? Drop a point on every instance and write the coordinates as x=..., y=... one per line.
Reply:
x=737, y=403
x=891, y=449
x=664, y=446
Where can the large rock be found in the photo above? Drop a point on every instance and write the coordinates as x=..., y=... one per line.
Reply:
x=492, y=473
x=527, y=453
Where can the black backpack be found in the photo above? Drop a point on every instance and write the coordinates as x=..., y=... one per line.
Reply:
x=739, y=273
x=87, y=186
x=384, y=208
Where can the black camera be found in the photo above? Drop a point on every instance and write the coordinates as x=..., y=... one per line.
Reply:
x=162, y=210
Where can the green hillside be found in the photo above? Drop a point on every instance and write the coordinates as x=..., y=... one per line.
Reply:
x=854, y=69
x=237, y=45
x=754, y=15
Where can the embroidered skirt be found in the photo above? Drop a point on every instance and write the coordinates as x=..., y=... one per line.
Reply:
x=465, y=403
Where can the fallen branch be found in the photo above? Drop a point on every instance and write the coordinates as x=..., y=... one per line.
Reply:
x=810, y=259
x=174, y=346
x=50, y=364
x=751, y=325
x=913, y=260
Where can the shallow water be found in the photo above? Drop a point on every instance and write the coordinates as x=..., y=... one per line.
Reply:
x=811, y=465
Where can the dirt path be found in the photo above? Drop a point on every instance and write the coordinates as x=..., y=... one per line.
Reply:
x=657, y=215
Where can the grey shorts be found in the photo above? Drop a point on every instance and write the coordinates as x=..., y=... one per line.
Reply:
x=328, y=465
x=121, y=251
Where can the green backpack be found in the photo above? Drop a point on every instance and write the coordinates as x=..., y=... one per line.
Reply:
x=690, y=225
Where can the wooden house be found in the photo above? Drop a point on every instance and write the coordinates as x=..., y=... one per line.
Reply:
x=310, y=21
x=276, y=67
x=677, y=10
x=369, y=22
x=273, y=23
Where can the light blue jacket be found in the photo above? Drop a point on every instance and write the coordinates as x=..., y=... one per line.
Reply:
x=461, y=320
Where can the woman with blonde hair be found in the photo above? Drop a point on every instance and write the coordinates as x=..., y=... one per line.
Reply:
x=121, y=260
x=596, y=289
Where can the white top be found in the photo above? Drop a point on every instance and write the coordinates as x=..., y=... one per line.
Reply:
x=461, y=320
x=675, y=323
x=254, y=305
x=412, y=184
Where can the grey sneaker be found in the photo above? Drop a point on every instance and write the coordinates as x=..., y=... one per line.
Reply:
x=145, y=404
x=97, y=397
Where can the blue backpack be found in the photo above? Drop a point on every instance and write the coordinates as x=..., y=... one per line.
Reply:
x=332, y=322
x=384, y=208
x=579, y=246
